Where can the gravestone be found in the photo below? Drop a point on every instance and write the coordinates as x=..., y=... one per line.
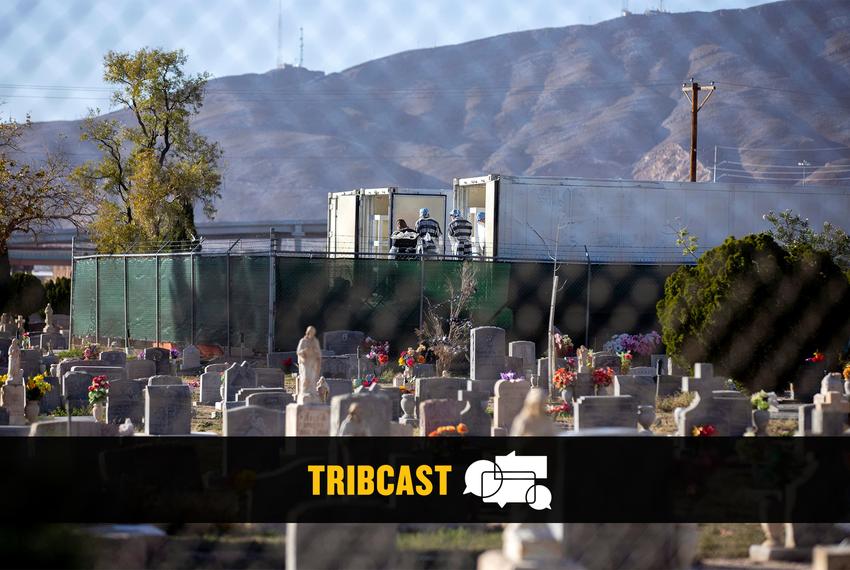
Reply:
x=334, y=546
x=111, y=372
x=342, y=342
x=605, y=411
x=426, y=370
x=269, y=377
x=273, y=400
x=641, y=371
x=527, y=351
x=438, y=413
x=254, y=421
x=81, y=426
x=641, y=388
x=66, y=364
x=509, y=399
x=5, y=343
x=804, y=420
x=703, y=380
x=140, y=368
x=210, y=388
x=486, y=353
x=345, y=366
x=543, y=381
x=338, y=387
x=308, y=420
x=474, y=413
x=829, y=417
x=606, y=359
x=375, y=412
x=401, y=430
x=125, y=399
x=53, y=398
x=728, y=411
x=75, y=389
x=164, y=380
x=191, y=358
x=514, y=364
x=219, y=367
x=53, y=341
x=31, y=362
x=669, y=385
x=438, y=388
x=832, y=382
x=168, y=410
x=243, y=394
x=237, y=377
x=114, y=358
x=160, y=357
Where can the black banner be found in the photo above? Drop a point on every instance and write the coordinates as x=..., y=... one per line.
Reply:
x=435, y=480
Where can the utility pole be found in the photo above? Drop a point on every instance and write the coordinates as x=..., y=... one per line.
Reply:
x=301, y=48
x=691, y=91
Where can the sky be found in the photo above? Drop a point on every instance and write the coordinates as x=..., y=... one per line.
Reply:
x=53, y=49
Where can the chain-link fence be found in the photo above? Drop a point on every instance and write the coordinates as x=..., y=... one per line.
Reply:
x=233, y=300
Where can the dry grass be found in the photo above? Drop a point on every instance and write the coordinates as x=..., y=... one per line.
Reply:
x=723, y=540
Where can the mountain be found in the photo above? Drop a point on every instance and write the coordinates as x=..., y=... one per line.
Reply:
x=600, y=101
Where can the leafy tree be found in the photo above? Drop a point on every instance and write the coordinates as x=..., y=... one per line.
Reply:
x=155, y=169
x=32, y=197
x=796, y=235
x=58, y=293
x=27, y=295
x=756, y=311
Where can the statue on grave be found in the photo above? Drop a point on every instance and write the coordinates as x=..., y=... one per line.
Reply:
x=49, y=327
x=353, y=424
x=15, y=373
x=323, y=390
x=5, y=324
x=532, y=419
x=309, y=366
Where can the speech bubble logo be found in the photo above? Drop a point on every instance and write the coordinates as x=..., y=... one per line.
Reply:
x=541, y=498
x=474, y=477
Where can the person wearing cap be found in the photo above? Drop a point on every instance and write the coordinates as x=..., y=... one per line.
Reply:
x=403, y=241
x=429, y=232
x=460, y=230
x=480, y=234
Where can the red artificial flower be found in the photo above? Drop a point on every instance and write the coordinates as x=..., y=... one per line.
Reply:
x=818, y=357
x=383, y=359
x=628, y=356
x=287, y=361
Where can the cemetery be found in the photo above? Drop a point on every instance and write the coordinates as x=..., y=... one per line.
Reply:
x=344, y=383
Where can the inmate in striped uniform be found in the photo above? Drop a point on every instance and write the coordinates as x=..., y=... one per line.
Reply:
x=428, y=230
x=461, y=230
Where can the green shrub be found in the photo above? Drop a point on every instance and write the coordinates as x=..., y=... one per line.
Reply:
x=755, y=312
x=58, y=293
x=26, y=295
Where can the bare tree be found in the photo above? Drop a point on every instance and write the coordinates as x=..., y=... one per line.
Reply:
x=445, y=328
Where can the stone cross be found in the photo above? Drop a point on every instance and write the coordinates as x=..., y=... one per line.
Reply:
x=19, y=322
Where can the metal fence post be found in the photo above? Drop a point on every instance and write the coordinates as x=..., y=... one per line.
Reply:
x=71, y=305
x=156, y=333
x=227, y=300
x=97, y=299
x=192, y=297
x=126, y=309
x=587, y=303
x=272, y=277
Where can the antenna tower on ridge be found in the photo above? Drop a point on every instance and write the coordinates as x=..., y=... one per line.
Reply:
x=301, y=48
x=280, y=34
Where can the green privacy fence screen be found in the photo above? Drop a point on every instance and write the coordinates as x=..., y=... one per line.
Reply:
x=221, y=299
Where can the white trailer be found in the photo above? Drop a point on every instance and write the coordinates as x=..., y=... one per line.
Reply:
x=361, y=221
x=628, y=220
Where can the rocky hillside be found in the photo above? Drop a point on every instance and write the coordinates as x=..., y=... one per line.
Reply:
x=586, y=101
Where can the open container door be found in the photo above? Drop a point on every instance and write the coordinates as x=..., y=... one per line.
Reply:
x=342, y=224
x=406, y=207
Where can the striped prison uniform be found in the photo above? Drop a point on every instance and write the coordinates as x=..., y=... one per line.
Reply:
x=428, y=230
x=461, y=230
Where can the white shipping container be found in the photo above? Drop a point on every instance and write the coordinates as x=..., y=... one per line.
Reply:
x=627, y=220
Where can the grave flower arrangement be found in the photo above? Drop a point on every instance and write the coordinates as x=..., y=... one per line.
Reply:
x=559, y=410
x=287, y=364
x=563, y=344
x=641, y=344
x=90, y=353
x=377, y=351
x=3, y=378
x=625, y=361
x=511, y=376
x=408, y=359
x=26, y=340
x=563, y=379
x=759, y=400
x=98, y=390
x=37, y=387
x=818, y=356
x=846, y=372
x=459, y=430
x=369, y=381
x=703, y=431
x=174, y=353
x=603, y=376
